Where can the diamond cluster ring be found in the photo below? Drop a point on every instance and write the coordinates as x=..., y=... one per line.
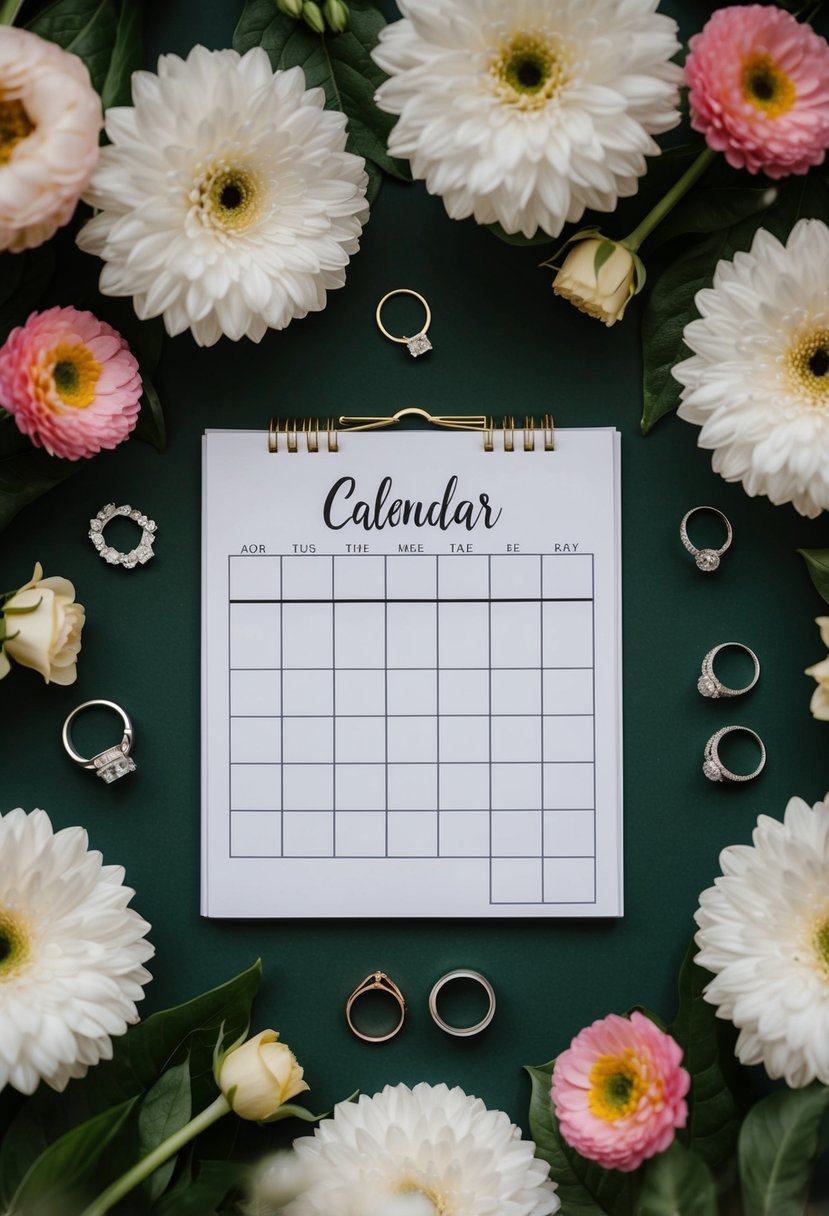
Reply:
x=114, y=762
x=142, y=552
x=714, y=768
x=711, y=685
x=707, y=560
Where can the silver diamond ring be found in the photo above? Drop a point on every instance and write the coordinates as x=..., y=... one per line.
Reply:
x=462, y=974
x=711, y=686
x=112, y=763
x=707, y=559
x=714, y=768
x=142, y=552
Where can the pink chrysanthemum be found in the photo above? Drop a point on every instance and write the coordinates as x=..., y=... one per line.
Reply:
x=71, y=383
x=759, y=89
x=619, y=1091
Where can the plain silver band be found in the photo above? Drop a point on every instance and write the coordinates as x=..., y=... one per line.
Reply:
x=125, y=744
x=462, y=974
x=689, y=545
x=712, y=754
x=722, y=690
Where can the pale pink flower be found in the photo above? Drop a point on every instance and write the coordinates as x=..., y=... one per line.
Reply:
x=619, y=1091
x=759, y=89
x=50, y=118
x=71, y=382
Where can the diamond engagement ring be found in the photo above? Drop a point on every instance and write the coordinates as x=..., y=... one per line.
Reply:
x=114, y=762
x=419, y=344
x=711, y=686
x=714, y=768
x=142, y=552
x=377, y=981
x=707, y=559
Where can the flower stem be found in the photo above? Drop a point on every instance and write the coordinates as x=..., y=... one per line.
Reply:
x=149, y=1164
x=679, y=189
x=9, y=10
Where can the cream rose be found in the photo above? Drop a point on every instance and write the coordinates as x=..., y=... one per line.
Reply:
x=260, y=1076
x=820, y=697
x=605, y=294
x=47, y=636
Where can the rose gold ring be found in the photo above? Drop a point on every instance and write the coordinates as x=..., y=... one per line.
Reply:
x=377, y=981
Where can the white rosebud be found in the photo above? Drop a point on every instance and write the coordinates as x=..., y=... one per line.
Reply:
x=260, y=1076
x=820, y=697
x=602, y=293
x=43, y=628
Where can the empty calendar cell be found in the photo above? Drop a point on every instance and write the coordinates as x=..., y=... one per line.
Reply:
x=359, y=635
x=359, y=577
x=568, y=738
x=255, y=740
x=411, y=578
x=360, y=692
x=568, y=635
x=516, y=787
x=569, y=880
x=255, y=787
x=307, y=834
x=516, y=691
x=463, y=834
x=517, y=576
x=254, y=635
x=307, y=635
x=412, y=739
x=360, y=833
x=516, y=635
x=516, y=738
x=255, y=834
x=568, y=786
x=464, y=787
x=463, y=739
x=360, y=740
x=516, y=880
x=307, y=578
x=307, y=692
x=411, y=635
x=463, y=635
x=568, y=691
x=464, y=692
x=308, y=787
x=567, y=575
x=412, y=787
x=360, y=787
x=412, y=692
x=306, y=740
x=516, y=833
x=569, y=834
x=463, y=577
x=412, y=834
x=254, y=578
x=255, y=693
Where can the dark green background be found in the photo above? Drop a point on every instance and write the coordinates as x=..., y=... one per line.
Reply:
x=503, y=343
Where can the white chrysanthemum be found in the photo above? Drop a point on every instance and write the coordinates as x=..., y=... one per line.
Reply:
x=227, y=200
x=758, y=383
x=430, y=1143
x=764, y=932
x=71, y=953
x=529, y=112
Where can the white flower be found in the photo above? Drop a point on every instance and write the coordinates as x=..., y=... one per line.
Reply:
x=228, y=202
x=528, y=112
x=43, y=628
x=758, y=383
x=819, y=704
x=70, y=953
x=604, y=295
x=260, y=1076
x=764, y=932
x=428, y=1143
x=50, y=117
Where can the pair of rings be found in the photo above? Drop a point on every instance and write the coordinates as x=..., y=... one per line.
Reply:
x=710, y=685
x=378, y=981
x=707, y=560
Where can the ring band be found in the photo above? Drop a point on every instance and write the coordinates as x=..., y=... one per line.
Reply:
x=114, y=762
x=142, y=552
x=707, y=560
x=376, y=981
x=462, y=974
x=419, y=344
x=714, y=768
x=711, y=685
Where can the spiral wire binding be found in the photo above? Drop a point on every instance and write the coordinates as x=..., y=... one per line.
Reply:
x=289, y=430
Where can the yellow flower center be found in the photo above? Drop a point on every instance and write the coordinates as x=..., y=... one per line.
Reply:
x=74, y=372
x=767, y=86
x=529, y=70
x=15, y=126
x=14, y=944
x=438, y=1201
x=617, y=1084
x=808, y=367
x=228, y=197
x=821, y=944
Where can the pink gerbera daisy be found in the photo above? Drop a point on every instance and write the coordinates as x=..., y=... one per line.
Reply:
x=759, y=89
x=71, y=382
x=619, y=1091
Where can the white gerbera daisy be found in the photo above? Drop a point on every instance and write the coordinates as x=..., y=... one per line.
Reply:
x=758, y=383
x=228, y=203
x=764, y=932
x=529, y=112
x=70, y=953
x=437, y=1146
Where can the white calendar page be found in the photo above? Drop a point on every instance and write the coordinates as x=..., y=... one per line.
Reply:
x=411, y=677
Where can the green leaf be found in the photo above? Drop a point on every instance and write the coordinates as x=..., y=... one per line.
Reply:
x=604, y=251
x=30, y=275
x=676, y=1183
x=713, y=1120
x=25, y=475
x=165, y=1110
x=584, y=1189
x=127, y=55
x=87, y=28
x=67, y=1165
x=779, y=1142
x=202, y=1194
x=140, y=1057
x=704, y=211
x=817, y=563
x=151, y=426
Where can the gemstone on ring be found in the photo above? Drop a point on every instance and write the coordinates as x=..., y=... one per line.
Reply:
x=707, y=560
x=711, y=771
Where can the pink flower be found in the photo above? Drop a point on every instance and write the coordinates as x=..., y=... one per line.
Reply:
x=759, y=89
x=619, y=1091
x=71, y=382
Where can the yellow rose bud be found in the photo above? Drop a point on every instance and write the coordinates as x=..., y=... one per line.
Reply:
x=43, y=628
x=260, y=1076
x=312, y=16
x=605, y=294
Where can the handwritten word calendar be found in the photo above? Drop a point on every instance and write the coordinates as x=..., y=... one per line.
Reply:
x=411, y=677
